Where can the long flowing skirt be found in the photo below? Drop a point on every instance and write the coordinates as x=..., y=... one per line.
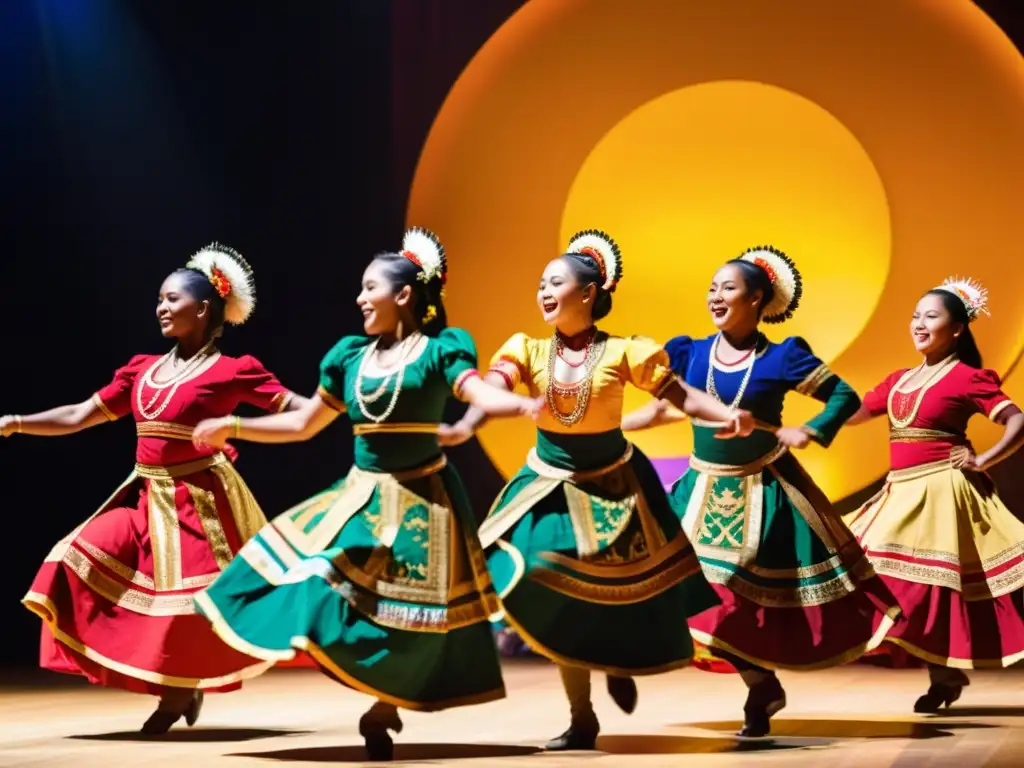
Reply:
x=796, y=589
x=116, y=594
x=953, y=555
x=592, y=568
x=381, y=580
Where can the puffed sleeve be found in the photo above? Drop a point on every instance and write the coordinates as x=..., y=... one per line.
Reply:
x=458, y=358
x=646, y=365
x=115, y=399
x=877, y=400
x=808, y=375
x=258, y=386
x=986, y=394
x=679, y=351
x=512, y=361
x=333, y=370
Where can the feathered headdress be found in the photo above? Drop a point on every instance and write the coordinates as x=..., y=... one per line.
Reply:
x=785, y=278
x=232, y=278
x=972, y=293
x=602, y=249
x=423, y=248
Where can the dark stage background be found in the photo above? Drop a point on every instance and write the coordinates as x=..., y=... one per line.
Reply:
x=132, y=134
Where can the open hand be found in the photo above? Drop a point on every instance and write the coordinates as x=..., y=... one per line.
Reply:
x=453, y=434
x=792, y=437
x=211, y=433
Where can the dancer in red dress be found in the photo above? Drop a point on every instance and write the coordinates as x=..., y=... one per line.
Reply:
x=116, y=594
x=937, y=533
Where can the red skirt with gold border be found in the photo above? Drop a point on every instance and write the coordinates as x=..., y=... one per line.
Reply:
x=116, y=594
x=952, y=554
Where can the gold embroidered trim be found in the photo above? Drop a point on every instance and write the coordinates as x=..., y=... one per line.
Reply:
x=621, y=570
x=155, y=472
x=814, y=380
x=165, y=429
x=736, y=470
x=205, y=503
x=918, y=471
x=394, y=427
x=542, y=468
x=133, y=576
x=330, y=400
x=782, y=597
x=98, y=402
x=916, y=435
x=957, y=663
x=165, y=534
x=246, y=512
x=42, y=606
x=122, y=596
x=618, y=594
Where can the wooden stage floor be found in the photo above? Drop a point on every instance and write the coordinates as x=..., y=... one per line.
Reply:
x=856, y=716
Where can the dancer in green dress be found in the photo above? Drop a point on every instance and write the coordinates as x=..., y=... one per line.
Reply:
x=584, y=549
x=381, y=578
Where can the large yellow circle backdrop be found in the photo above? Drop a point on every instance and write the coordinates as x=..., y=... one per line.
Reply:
x=876, y=142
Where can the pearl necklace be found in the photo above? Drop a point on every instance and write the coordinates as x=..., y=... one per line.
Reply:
x=398, y=375
x=710, y=384
x=581, y=389
x=191, y=367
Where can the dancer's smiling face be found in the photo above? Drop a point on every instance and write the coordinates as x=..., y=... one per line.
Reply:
x=734, y=304
x=380, y=302
x=933, y=328
x=564, y=301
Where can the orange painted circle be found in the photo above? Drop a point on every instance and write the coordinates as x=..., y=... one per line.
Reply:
x=562, y=78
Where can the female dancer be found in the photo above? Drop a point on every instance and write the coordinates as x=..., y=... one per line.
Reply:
x=937, y=533
x=794, y=584
x=611, y=578
x=116, y=592
x=380, y=578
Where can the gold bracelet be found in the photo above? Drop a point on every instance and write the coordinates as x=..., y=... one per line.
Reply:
x=237, y=426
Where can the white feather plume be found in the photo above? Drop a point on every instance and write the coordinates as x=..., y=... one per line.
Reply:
x=240, y=301
x=787, y=283
x=427, y=248
x=598, y=241
x=972, y=293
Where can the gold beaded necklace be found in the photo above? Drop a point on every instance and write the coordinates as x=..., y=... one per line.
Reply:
x=593, y=353
x=907, y=415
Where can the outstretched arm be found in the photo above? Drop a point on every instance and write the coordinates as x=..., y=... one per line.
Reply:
x=309, y=418
x=700, y=405
x=861, y=416
x=62, y=420
x=491, y=399
x=475, y=416
x=654, y=414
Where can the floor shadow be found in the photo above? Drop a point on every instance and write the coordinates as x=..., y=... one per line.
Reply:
x=993, y=711
x=193, y=735
x=663, y=744
x=846, y=729
x=357, y=754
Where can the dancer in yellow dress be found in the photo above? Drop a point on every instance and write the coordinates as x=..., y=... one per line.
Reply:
x=584, y=550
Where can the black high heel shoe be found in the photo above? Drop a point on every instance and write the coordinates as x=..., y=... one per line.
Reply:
x=623, y=692
x=938, y=696
x=379, y=745
x=763, y=701
x=581, y=735
x=168, y=712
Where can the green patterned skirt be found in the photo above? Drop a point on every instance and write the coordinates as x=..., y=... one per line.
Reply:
x=797, y=591
x=590, y=564
x=381, y=580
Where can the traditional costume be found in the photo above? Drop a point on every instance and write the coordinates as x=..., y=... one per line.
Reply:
x=380, y=578
x=796, y=590
x=585, y=552
x=941, y=539
x=116, y=593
